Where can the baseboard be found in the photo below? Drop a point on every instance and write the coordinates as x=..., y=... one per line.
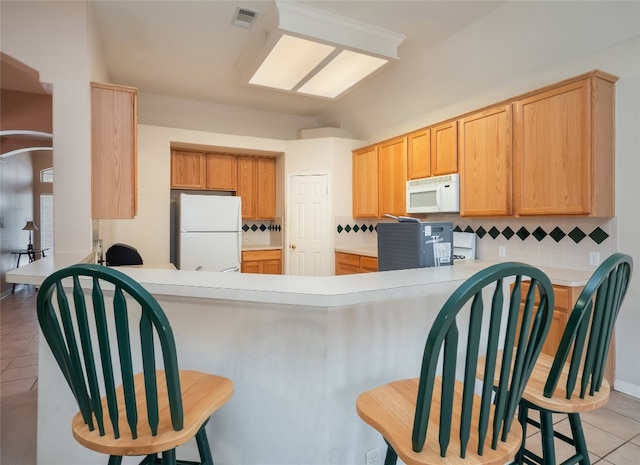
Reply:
x=627, y=388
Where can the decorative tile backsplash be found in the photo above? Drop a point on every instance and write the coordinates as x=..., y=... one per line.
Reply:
x=262, y=232
x=551, y=241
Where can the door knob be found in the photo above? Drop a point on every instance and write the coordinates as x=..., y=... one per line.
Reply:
x=293, y=246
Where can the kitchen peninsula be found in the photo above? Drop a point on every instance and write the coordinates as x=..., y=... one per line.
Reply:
x=299, y=350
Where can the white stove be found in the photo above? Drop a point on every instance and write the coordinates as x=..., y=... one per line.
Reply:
x=464, y=246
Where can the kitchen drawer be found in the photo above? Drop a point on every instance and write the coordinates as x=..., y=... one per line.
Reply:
x=564, y=296
x=271, y=254
x=368, y=264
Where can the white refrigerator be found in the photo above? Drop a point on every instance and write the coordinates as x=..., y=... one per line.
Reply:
x=209, y=232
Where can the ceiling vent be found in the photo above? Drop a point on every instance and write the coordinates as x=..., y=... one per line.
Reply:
x=244, y=17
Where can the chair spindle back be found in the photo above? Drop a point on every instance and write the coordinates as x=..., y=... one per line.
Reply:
x=590, y=326
x=517, y=362
x=91, y=371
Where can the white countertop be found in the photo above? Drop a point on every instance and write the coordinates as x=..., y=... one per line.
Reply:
x=311, y=291
x=247, y=248
x=366, y=251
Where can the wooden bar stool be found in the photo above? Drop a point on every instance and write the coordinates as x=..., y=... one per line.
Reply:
x=443, y=417
x=573, y=381
x=149, y=413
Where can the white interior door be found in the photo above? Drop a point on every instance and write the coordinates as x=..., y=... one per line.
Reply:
x=309, y=225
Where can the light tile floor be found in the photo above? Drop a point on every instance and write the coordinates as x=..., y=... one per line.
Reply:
x=612, y=432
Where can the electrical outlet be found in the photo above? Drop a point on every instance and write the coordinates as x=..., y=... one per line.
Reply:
x=502, y=251
x=594, y=258
x=373, y=457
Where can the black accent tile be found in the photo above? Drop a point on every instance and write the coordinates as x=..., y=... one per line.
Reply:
x=245, y=228
x=557, y=234
x=523, y=233
x=363, y=228
x=347, y=228
x=371, y=228
x=468, y=229
x=539, y=233
x=356, y=228
x=263, y=227
x=254, y=228
x=577, y=235
x=481, y=232
x=598, y=235
x=508, y=232
x=494, y=232
x=457, y=229
x=339, y=228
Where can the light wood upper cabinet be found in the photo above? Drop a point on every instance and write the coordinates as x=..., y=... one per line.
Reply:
x=257, y=187
x=485, y=163
x=247, y=185
x=188, y=170
x=222, y=171
x=392, y=177
x=444, y=148
x=114, y=151
x=419, y=154
x=365, y=182
x=564, y=149
x=266, y=199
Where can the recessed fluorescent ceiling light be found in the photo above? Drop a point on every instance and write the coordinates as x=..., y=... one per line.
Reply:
x=289, y=62
x=341, y=73
x=316, y=53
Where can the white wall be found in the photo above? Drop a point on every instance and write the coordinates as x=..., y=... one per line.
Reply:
x=51, y=37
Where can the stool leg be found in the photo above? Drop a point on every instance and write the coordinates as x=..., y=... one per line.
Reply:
x=169, y=457
x=115, y=459
x=523, y=415
x=391, y=457
x=203, y=446
x=546, y=430
x=578, y=438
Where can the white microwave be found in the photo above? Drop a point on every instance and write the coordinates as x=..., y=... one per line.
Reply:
x=438, y=194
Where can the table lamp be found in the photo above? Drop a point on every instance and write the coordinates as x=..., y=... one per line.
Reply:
x=30, y=227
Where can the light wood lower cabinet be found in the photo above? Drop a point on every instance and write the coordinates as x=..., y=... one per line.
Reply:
x=565, y=298
x=348, y=263
x=262, y=261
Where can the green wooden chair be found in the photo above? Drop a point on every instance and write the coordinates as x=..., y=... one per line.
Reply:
x=88, y=316
x=439, y=417
x=573, y=380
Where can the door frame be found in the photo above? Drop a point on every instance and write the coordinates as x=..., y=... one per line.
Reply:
x=329, y=244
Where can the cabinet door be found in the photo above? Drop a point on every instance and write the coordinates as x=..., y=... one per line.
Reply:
x=485, y=163
x=392, y=177
x=114, y=151
x=272, y=267
x=247, y=184
x=365, y=182
x=444, y=149
x=552, y=163
x=222, y=172
x=188, y=170
x=250, y=266
x=266, y=190
x=419, y=154
x=368, y=264
x=347, y=263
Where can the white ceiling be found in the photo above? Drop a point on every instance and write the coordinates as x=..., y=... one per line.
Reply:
x=189, y=49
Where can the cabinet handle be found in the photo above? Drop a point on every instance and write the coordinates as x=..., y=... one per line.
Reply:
x=293, y=246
